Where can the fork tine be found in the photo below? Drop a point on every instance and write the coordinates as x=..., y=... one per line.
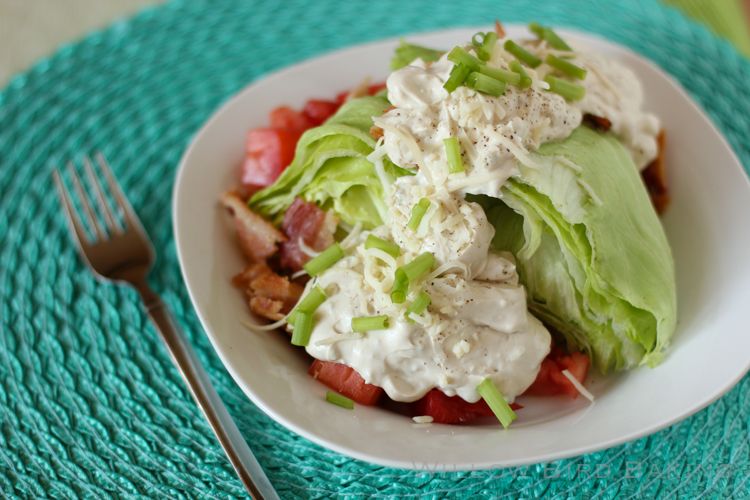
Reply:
x=131, y=218
x=75, y=222
x=112, y=223
x=90, y=214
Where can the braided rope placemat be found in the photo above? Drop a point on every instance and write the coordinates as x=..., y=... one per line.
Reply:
x=90, y=404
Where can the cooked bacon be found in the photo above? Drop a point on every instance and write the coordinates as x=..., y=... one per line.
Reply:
x=306, y=221
x=597, y=122
x=499, y=29
x=254, y=270
x=655, y=178
x=258, y=238
x=267, y=308
x=269, y=295
x=276, y=287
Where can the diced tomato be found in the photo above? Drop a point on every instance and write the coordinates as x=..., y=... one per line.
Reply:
x=341, y=97
x=319, y=110
x=346, y=381
x=375, y=88
x=285, y=117
x=268, y=152
x=452, y=409
x=550, y=380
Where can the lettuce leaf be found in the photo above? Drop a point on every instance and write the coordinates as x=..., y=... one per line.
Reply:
x=407, y=52
x=330, y=167
x=590, y=250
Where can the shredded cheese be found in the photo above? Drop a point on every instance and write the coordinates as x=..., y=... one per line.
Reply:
x=579, y=387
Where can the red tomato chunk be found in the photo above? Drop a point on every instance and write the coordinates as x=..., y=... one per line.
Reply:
x=551, y=382
x=268, y=152
x=346, y=381
x=452, y=409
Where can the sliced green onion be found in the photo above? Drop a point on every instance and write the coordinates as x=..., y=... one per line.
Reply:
x=388, y=247
x=488, y=45
x=550, y=36
x=496, y=402
x=453, y=152
x=421, y=265
x=312, y=300
x=501, y=74
x=417, y=212
x=420, y=303
x=309, y=303
x=463, y=58
x=516, y=67
x=324, y=260
x=457, y=77
x=566, y=67
x=339, y=400
x=484, y=44
x=302, y=328
x=478, y=38
x=522, y=54
x=485, y=84
x=570, y=91
x=400, y=287
x=367, y=323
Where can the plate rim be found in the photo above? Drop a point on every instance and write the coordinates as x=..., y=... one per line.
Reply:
x=281, y=73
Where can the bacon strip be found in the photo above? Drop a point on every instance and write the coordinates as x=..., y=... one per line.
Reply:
x=655, y=178
x=307, y=222
x=499, y=30
x=269, y=295
x=258, y=238
x=597, y=122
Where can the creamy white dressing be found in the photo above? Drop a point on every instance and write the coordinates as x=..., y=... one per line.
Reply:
x=477, y=325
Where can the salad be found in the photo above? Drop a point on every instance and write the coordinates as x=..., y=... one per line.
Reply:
x=480, y=226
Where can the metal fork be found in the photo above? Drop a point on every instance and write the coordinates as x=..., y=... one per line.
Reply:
x=121, y=251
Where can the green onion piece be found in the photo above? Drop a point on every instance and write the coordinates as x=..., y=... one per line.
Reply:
x=485, y=84
x=501, y=74
x=309, y=303
x=478, y=38
x=570, y=91
x=566, y=67
x=417, y=212
x=488, y=45
x=324, y=260
x=550, y=36
x=388, y=247
x=421, y=265
x=463, y=58
x=367, y=323
x=457, y=77
x=400, y=287
x=496, y=402
x=453, y=152
x=522, y=54
x=312, y=300
x=420, y=304
x=339, y=400
x=525, y=78
x=484, y=44
x=302, y=328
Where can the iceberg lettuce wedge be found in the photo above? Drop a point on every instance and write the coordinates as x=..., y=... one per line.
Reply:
x=330, y=167
x=590, y=249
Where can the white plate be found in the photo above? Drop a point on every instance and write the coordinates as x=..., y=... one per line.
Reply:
x=707, y=226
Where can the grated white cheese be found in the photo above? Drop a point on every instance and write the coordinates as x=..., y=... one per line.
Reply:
x=579, y=387
x=423, y=419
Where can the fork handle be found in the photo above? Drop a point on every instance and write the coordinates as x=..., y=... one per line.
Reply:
x=244, y=462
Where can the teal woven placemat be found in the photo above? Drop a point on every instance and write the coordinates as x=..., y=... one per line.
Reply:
x=90, y=404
